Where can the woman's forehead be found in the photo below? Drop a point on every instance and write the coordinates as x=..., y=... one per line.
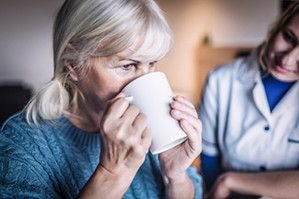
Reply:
x=293, y=25
x=125, y=54
x=294, y=22
x=130, y=53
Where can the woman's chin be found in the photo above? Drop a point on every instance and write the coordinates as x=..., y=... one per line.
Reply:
x=284, y=75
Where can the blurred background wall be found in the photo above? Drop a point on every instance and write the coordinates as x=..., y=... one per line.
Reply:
x=25, y=41
x=207, y=33
x=211, y=32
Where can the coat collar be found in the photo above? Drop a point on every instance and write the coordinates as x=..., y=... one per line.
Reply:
x=289, y=100
x=249, y=72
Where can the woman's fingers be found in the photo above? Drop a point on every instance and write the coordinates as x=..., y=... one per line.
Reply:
x=124, y=135
x=192, y=120
x=185, y=113
x=146, y=138
x=124, y=122
x=140, y=123
x=116, y=106
x=130, y=114
x=189, y=128
x=194, y=136
x=182, y=109
x=184, y=100
x=182, y=104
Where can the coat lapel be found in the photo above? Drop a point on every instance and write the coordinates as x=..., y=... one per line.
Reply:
x=260, y=99
x=289, y=100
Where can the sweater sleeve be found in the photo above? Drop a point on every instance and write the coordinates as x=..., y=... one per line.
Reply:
x=18, y=180
x=197, y=181
x=20, y=175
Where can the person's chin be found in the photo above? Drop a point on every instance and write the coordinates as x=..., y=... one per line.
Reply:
x=284, y=75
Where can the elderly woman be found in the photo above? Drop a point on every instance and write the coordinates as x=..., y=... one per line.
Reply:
x=250, y=117
x=79, y=137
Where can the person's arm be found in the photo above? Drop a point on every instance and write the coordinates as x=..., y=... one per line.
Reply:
x=104, y=184
x=208, y=113
x=210, y=169
x=125, y=141
x=180, y=187
x=22, y=174
x=283, y=184
x=191, y=182
x=176, y=161
x=19, y=179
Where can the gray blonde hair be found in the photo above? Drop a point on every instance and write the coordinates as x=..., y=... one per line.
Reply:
x=283, y=20
x=95, y=28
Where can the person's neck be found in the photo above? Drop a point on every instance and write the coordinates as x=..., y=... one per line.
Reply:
x=85, y=118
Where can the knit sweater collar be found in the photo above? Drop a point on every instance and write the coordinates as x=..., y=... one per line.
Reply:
x=78, y=136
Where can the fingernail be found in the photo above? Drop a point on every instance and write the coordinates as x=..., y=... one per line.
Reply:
x=129, y=98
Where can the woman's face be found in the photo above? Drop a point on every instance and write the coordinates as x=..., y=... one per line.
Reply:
x=284, y=53
x=108, y=75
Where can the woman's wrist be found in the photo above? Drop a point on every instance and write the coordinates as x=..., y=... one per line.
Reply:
x=179, y=179
x=100, y=183
x=226, y=179
x=120, y=182
x=180, y=186
x=114, y=176
x=230, y=180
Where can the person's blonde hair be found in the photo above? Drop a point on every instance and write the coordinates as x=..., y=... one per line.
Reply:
x=283, y=20
x=85, y=29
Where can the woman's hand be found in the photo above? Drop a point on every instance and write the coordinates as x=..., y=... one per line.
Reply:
x=125, y=138
x=175, y=161
x=125, y=141
x=220, y=190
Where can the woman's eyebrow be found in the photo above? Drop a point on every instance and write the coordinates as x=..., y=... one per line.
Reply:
x=133, y=60
x=290, y=31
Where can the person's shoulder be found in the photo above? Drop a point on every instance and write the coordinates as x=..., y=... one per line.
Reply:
x=24, y=152
x=17, y=121
x=18, y=132
x=233, y=68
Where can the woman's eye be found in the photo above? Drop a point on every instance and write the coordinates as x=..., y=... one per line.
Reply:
x=152, y=64
x=289, y=38
x=127, y=66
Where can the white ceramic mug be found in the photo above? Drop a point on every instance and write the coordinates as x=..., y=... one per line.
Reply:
x=152, y=94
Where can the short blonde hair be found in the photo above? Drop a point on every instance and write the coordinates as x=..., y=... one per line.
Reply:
x=97, y=28
x=283, y=20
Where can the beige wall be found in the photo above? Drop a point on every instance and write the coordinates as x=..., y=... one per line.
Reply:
x=229, y=23
x=26, y=31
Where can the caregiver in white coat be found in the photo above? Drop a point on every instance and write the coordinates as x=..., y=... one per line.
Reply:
x=250, y=117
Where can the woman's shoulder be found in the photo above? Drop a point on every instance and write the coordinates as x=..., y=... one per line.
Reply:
x=15, y=121
x=17, y=133
x=14, y=125
x=27, y=143
x=236, y=67
x=17, y=124
x=23, y=156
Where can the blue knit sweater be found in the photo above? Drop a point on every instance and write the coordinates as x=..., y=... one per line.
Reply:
x=55, y=161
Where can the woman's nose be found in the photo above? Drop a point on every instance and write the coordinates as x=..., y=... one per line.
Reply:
x=292, y=57
x=145, y=69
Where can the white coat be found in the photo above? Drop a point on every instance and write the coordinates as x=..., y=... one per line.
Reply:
x=237, y=122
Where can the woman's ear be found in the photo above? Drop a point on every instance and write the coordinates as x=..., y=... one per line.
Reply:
x=69, y=64
x=71, y=70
